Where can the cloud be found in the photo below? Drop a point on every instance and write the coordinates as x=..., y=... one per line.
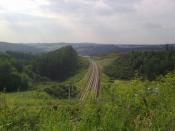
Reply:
x=106, y=21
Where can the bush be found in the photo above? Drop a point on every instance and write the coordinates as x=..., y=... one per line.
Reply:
x=63, y=91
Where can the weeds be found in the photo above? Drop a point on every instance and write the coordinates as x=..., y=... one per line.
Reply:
x=123, y=106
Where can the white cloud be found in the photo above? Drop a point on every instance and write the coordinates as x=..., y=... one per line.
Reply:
x=117, y=21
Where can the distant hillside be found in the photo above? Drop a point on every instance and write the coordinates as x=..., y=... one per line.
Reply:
x=93, y=49
x=90, y=49
x=5, y=46
x=100, y=49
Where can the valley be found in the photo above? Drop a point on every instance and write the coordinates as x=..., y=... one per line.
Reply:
x=61, y=90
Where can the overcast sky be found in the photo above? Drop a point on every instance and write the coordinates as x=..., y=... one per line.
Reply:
x=102, y=21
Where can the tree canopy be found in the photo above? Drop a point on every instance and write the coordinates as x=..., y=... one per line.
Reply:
x=147, y=65
x=11, y=79
x=57, y=65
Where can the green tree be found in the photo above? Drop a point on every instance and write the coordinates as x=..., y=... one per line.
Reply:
x=10, y=79
x=58, y=65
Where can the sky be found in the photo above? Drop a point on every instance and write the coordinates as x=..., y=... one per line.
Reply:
x=99, y=21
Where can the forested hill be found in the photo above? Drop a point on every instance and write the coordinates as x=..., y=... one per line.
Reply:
x=58, y=65
x=5, y=46
x=145, y=65
x=19, y=70
x=90, y=49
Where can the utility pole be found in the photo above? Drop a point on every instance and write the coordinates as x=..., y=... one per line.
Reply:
x=69, y=95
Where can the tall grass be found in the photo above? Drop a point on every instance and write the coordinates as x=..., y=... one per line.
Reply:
x=123, y=106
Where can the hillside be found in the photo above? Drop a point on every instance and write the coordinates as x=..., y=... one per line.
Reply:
x=5, y=46
x=85, y=49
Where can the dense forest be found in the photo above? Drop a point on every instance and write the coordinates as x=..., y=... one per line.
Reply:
x=57, y=65
x=12, y=75
x=145, y=65
x=19, y=70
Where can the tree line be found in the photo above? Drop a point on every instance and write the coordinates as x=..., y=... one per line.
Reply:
x=147, y=65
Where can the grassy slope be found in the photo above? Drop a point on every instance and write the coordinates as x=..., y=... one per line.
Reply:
x=105, y=60
x=38, y=96
x=139, y=105
x=33, y=110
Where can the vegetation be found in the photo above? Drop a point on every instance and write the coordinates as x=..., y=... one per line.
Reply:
x=63, y=91
x=12, y=78
x=58, y=65
x=147, y=65
x=138, y=105
x=132, y=105
x=52, y=104
x=18, y=70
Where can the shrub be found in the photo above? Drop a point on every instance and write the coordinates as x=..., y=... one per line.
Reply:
x=63, y=91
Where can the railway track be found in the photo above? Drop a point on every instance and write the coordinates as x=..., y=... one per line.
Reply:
x=92, y=87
